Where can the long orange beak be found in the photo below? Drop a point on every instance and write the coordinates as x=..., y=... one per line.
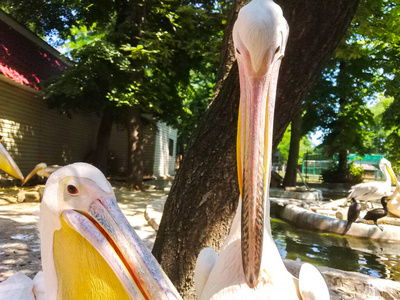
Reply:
x=8, y=165
x=392, y=175
x=33, y=172
x=254, y=145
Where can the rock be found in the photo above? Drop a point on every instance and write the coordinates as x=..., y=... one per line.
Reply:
x=24, y=196
x=339, y=215
x=316, y=221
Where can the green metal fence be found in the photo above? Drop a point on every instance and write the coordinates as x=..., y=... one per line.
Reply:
x=314, y=164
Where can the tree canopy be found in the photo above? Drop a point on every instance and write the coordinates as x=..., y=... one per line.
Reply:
x=154, y=57
x=364, y=70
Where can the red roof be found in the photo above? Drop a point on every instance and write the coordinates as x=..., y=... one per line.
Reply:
x=24, y=59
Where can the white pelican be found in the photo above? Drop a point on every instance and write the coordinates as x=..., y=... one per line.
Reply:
x=369, y=191
x=394, y=202
x=8, y=165
x=249, y=265
x=42, y=170
x=89, y=250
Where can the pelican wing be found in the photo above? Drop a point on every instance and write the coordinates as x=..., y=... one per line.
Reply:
x=17, y=287
x=204, y=264
x=312, y=285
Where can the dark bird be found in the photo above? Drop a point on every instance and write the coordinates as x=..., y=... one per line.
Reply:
x=352, y=214
x=377, y=213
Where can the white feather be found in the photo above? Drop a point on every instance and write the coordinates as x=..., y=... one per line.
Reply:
x=373, y=190
x=312, y=285
x=17, y=287
x=258, y=27
x=204, y=264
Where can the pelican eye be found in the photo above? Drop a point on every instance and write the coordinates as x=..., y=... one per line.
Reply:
x=72, y=190
x=277, y=49
x=237, y=50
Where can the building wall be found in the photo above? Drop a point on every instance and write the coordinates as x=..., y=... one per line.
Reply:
x=32, y=133
x=164, y=158
x=119, y=148
x=149, y=144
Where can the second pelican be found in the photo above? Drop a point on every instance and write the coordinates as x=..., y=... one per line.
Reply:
x=249, y=265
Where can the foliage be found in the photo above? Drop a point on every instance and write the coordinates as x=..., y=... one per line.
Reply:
x=197, y=97
x=160, y=62
x=353, y=174
x=379, y=144
x=305, y=146
x=365, y=66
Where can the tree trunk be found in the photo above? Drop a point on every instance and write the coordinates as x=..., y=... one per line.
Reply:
x=202, y=202
x=100, y=159
x=342, y=164
x=209, y=180
x=293, y=159
x=134, y=179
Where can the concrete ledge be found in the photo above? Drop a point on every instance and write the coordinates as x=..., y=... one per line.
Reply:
x=351, y=285
x=314, y=221
x=301, y=195
x=154, y=211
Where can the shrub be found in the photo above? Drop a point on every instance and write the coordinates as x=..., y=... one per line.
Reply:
x=352, y=174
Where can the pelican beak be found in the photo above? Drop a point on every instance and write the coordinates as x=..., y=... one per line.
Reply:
x=395, y=181
x=105, y=227
x=8, y=165
x=33, y=172
x=254, y=144
x=391, y=174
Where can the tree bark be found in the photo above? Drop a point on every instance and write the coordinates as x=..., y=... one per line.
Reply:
x=134, y=179
x=294, y=148
x=202, y=202
x=209, y=180
x=103, y=140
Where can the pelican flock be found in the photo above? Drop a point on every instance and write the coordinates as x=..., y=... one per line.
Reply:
x=249, y=265
x=88, y=248
x=375, y=190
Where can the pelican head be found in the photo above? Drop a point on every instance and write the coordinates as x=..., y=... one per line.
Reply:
x=386, y=168
x=8, y=165
x=260, y=35
x=89, y=250
x=38, y=169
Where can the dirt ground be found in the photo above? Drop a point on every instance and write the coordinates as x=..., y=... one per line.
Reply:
x=19, y=239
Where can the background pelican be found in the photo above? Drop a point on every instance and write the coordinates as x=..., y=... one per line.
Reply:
x=8, y=165
x=42, y=170
x=89, y=250
x=375, y=190
x=249, y=265
x=394, y=202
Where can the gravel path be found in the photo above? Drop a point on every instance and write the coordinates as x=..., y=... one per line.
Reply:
x=19, y=240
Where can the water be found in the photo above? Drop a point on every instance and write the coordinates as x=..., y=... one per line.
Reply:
x=375, y=258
